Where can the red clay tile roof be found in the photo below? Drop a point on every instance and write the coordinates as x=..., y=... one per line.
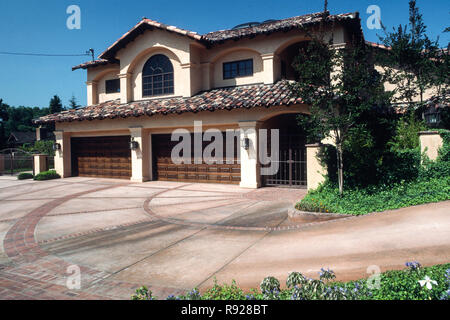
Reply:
x=89, y=64
x=249, y=96
x=275, y=26
x=377, y=45
x=220, y=36
x=144, y=24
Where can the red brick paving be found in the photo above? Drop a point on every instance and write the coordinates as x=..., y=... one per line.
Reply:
x=35, y=274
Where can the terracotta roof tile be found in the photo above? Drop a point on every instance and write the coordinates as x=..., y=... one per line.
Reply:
x=275, y=26
x=93, y=63
x=249, y=96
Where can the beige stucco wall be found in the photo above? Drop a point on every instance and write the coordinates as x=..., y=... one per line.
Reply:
x=391, y=87
x=430, y=143
x=95, y=84
x=240, y=54
x=101, y=87
x=196, y=68
x=315, y=172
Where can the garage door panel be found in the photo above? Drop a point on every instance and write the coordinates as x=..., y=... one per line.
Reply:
x=105, y=157
x=166, y=170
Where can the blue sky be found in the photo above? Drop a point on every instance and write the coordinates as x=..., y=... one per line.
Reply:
x=40, y=27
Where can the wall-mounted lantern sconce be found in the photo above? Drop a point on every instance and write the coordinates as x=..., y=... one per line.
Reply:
x=432, y=115
x=134, y=145
x=245, y=143
x=56, y=146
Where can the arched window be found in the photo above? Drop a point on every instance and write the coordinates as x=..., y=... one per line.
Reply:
x=157, y=76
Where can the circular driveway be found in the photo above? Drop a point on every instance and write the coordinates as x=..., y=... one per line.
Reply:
x=176, y=236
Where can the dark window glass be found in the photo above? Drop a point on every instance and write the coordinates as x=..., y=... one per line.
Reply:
x=236, y=69
x=112, y=86
x=157, y=76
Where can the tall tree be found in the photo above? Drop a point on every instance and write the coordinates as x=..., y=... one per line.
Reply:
x=73, y=103
x=55, y=105
x=3, y=119
x=339, y=85
x=414, y=63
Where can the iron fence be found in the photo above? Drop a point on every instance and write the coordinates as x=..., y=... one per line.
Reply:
x=14, y=161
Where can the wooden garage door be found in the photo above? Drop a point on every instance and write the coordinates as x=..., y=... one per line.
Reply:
x=105, y=157
x=166, y=170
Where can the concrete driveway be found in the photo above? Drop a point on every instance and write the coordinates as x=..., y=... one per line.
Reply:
x=176, y=236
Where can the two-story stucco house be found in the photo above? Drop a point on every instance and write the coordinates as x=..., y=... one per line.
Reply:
x=157, y=78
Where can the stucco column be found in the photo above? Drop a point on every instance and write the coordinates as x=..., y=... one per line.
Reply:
x=430, y=143
x=92, y=92
x=206, y=75
x=40, y=163
x=185, y=79
x=315, y=172
x=140, y=158
x=250, y=169
x=63, y=161
x=269, y=68
x=38, y=133
x=125, y=87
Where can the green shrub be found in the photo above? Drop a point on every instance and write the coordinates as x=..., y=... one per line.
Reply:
x=25, y=175
x=407, y=134
x=143, y=293
x=270, y=288
x=47, y=175
x=378, y=198
x=294, y=279
x=224, y=292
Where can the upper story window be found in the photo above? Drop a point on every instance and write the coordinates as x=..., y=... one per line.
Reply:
x=235, y=69
x=157, y=76
x=112, y=86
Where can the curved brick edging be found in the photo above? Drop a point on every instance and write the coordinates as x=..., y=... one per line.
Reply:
x=34, y=273
x=293, y=213
x=216, y=226
x=20, y=243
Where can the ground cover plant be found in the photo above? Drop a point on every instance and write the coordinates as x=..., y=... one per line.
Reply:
x=412, y=283
x=419, y=181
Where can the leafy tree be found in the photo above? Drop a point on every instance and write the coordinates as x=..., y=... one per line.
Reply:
x=55, y=105
x=3, y=119
x=414, y=62
x=73, y=103
x=340, y=85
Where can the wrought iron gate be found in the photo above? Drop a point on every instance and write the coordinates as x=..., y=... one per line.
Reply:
x=292, y=163
x=14, y=161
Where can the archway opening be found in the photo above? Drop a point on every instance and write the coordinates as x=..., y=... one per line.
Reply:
x=287, y=57
x=291, y=171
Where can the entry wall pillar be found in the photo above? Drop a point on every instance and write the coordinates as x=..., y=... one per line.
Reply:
x=315, y=172
x=140, y=158
x=430, y=143
x=40, y=163
x=63, y=160
x=250, y=168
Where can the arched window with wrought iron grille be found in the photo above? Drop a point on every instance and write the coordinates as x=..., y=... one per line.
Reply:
x=157, y=76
